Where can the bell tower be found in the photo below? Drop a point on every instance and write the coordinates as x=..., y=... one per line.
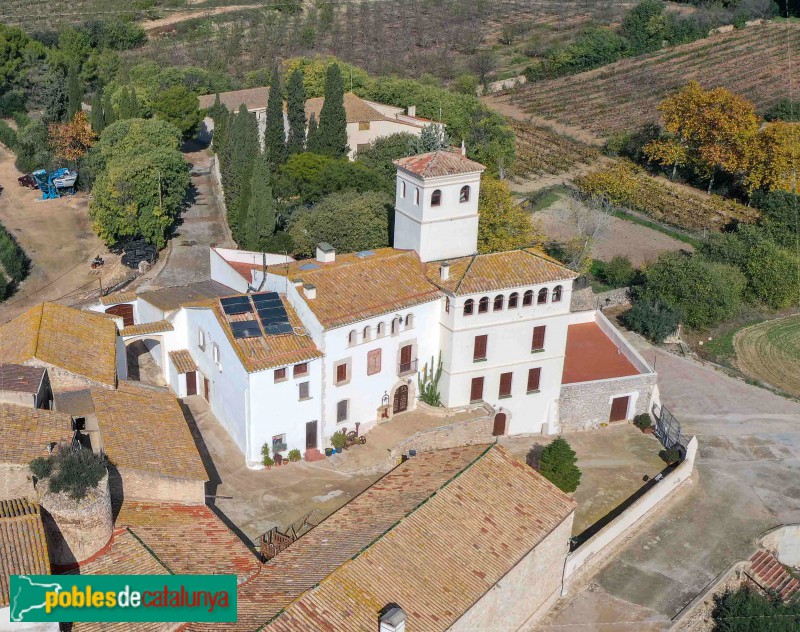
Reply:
x=436, y=205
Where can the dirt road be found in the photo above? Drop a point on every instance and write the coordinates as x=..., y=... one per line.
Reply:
x=161, y=24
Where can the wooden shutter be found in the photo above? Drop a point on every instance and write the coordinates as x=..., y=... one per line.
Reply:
x=280, y=374
x=505, y=384
x=341, y=373
x=300, y=369
x=341, y=411
x=479, y=350
x=534, y=377
x=476, y=390
x=537, y=344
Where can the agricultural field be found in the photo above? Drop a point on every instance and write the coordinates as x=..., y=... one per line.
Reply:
x=540, y=151
x=770, y=352
x=624, y=184
x=752, y=62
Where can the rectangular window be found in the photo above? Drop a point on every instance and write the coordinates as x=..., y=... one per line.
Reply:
x=363, y=125
x=534, y=376
x=505, y=384
x=342, y=408
x=201, y=339
x=537, y=343
x=374, y=362
x=402, y=189
x=476, y=390
x=479, y=348
x=304, y=390
x=341, y=373
x=300, y=369
x=280, y=375
x=416, y=196
x=215, y=355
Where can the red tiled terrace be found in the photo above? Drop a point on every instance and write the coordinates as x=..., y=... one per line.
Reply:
x=592, y=355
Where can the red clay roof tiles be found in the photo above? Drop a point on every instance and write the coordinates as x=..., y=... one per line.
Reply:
x=439, y=163
x=23, y=547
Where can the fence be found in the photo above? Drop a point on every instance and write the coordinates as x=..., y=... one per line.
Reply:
x=668, y=431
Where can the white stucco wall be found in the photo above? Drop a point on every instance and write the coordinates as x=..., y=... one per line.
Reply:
x=377, y=129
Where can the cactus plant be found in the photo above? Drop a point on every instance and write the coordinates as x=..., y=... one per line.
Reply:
x=428, y=382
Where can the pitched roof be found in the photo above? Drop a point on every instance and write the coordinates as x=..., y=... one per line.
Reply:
x=79, y=341
x=439, y=163
x=26, y=432
x=358, y=286
x=251, y=98
x=171, y=298
x=144, y=429
x=23, y=547
x=356, y=109
x=21, y=378
x=118, y=297
x=498, y=271
x=147, y=328
x=182, y=361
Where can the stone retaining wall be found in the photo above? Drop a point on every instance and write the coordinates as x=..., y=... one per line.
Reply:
x=586, y=299
x=586, y=405
x=453, y=435
x=133, y=484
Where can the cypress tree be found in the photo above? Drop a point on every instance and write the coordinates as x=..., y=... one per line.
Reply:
x=274, y=134
x=242, y=147
x=74, y=91
x=332, y=131
x=296, y=112
x=134, y=105
x=311, y=139
x=109, y=116
x=261, y=215
x=125, y=104
x=98, y=118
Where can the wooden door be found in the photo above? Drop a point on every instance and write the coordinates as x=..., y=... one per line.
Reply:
x=619, y=409
x=400, y=403
x=311, y=435
x=405, y=359
x=499, y=428
x=207, y=389
x=191, y=383
x=476, y=390
x=126, y=311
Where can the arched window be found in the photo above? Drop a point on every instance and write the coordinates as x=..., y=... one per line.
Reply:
x=469, y=306
x=527, y=298
x=513, y=299
x=381, y=330
x=402, y=188
x=542, y=297
x=498, y=302
x=464, y=195
x=483, y=305
x=556, y=298
x=447, y=304
x=436, y=198
x=395, y=325
x=351, y=338
x=367, y=333
x=416, y=195
x=410, y=321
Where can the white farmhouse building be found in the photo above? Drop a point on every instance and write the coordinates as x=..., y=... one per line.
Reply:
x=288, y=352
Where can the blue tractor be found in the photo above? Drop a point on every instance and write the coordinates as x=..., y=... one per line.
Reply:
x=56, y=183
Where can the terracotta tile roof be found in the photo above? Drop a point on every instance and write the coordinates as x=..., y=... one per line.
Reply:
x=147, y=328
x=21, y=378
x=443, y=557
x=498, y=271
x=144, y=429
x=269, y=351
x=439, y=163
x=182, y=361
x=345, y=534
x=356, y=109
x=245, y=270
x=23, y=547
x=171, y=298
x=79, y=341
x=118, y=297
x=354, y=288
x=25, y=432
x=251, y=98
x=591, y=355
x=188, y=538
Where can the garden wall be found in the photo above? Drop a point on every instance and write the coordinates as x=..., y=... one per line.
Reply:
x=586, y=299
x=468, y=432
x=586, y=405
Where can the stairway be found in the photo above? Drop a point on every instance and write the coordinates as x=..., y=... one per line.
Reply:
x=772, y=575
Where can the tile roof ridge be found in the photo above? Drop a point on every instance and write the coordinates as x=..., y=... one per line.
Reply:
x=387, y=531
x=39, y=329
x=466, y=272
x=149, y=550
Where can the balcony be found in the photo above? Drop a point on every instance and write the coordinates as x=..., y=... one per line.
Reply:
x=406, y=368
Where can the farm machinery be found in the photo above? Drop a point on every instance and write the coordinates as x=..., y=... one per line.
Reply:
x=54, y=184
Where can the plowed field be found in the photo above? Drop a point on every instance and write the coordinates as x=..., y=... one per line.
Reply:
x=770, y=352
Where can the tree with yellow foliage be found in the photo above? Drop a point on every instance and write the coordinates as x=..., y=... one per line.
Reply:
x=71, y=140
x=503, y=225
x=774, y=158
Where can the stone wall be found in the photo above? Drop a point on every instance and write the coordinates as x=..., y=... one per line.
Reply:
x=586, y=405
x=527, y=591
x=15, y=482
x=133, y=484
x=586, y=299
x=63, y=380
x=453, y=435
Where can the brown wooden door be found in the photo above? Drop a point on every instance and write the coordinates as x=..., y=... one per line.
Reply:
x=191, y=383
x=400, y=403
x=619, y=409
x=207, y=389
x=126, y=311
x=311, y=435
x=476, y=390
x=499, y=428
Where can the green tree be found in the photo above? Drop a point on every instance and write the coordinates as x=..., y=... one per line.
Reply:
x=780, y=216
x=296, y=112
x=109, y=115
x=653, y=320
x=558, y=464
x=645, y=27
x=261, y=214
x=312, y=136
x=384, y=150
x=33, y=148
x=74, y=91
x=178, y=105
x=502, y=224
x=315, y=70
x=432, y=138
x=236, y=163
x=55, y=99
x=745, y=610
x=98, y=118
x=131, y=136
x=466, y=84
x=331, y=136
x=274, y=133
x=348, y=220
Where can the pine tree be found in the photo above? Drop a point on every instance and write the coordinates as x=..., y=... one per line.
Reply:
x=109, y=115
x=261, y=215
x=312, y=137
x=98, y=118
x=74, y=91
x=275, y=134
x=558, y=465
x=296, y=112
x=332, y=132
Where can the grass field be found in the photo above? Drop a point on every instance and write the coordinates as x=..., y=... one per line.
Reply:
x=770, y=352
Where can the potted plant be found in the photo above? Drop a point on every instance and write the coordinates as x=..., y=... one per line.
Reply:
x=338, y=440
x=644, y=423
x=268, y=462
x=671, y=456
x=329, y=451
x=294, y=455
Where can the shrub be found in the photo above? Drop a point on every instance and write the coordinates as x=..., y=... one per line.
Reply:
x=294, y=455
x=267, y=460
x=70, y=470
x=618, y=272
x=654, y=321
x=338, y=440
x=642, y=421
x=41, y=467
x=673, y=455
x=7, y=135
x=745, y=610
x=558, y=465
x=12, y=257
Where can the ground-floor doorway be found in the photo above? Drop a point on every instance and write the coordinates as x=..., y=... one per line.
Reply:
x=619, y=408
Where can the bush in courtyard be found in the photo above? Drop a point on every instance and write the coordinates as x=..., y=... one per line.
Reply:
x=294, y=455
x=69, y=470
x=746, y=610
x=642, y=421
x=654, y=321
x=268, y=461
x=338, y=439
x=41, y=467
x=673, y=455
x=558, y=464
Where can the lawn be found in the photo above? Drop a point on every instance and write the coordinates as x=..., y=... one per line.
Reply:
x=770, y=352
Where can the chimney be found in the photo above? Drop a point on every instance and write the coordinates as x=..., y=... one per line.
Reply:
x=412, y=110
x=325, y=252
x=444, y=271
x=393, y=619
x=310, y=291
x=297, y=281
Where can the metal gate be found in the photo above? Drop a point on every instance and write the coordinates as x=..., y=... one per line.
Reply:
x=668, y=431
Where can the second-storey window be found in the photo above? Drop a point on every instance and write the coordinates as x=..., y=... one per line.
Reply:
x=479, y=349
x=280, y=375
x=483, y=305
x=534, y=377
x=201, y=339
x=505, y=384
x=300, y=369
x=537, y=341
x=341, y=373
x=215, y=355
x=513, y=299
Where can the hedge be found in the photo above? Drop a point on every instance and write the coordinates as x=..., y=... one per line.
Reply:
x=12, y=257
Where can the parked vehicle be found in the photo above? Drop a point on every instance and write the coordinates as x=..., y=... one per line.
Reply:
x=98, y=262
x=27, y=181
x=54, y=184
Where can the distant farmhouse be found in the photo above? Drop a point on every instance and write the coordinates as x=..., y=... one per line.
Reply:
x=366, y=120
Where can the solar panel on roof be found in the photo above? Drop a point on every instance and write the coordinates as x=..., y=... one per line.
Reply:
x=364, y=254
x=265, y=296
x=279, y=328
x=246, y=329
x=308, y=266
x=235, y=305
x=272, y=312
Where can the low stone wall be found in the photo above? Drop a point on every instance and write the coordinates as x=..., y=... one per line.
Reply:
x=15, y=482
x=586, y=405
x=586, y=299
x=133, y=484
x=450, y=436
x=597, y=548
